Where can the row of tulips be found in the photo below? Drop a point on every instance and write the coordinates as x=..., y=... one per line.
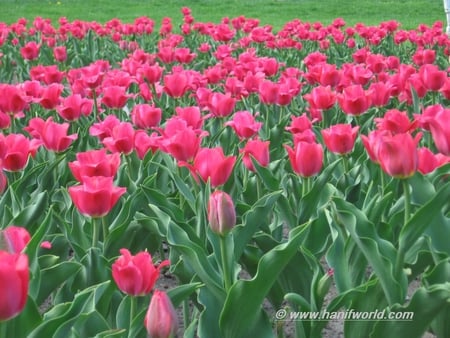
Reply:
x=295, y=158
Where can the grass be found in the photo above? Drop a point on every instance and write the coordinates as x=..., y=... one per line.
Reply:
x=410, y=13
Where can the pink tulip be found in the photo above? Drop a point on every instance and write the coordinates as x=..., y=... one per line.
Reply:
x=244, y=124
x=340, y=138
x=306, y=158
x=211, y=164
x=161, y=320
x=96, y=196
x=136, y=275
x=14, y=239
x=14, y=280
x=94, y=163
x=221, y=212
x=258, y=150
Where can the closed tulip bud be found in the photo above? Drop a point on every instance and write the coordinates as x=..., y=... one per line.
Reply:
x=324, y=284
x=161, y=320
x=14, y=280
x=221, y=212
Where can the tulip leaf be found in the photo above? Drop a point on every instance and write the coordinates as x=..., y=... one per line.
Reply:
x=380, y=253
x=429, y=213
x=252, y=221
x=24, y=322
x=248, y=295
x=179, y=293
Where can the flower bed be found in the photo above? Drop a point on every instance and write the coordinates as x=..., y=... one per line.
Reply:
x=223, y=150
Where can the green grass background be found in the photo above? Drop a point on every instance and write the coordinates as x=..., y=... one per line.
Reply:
x=410, y=13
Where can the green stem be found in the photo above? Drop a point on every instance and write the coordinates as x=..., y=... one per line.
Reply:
x=3, y=328
x=133, y=307
x=95, y=232
x=104, y=229
x=186, y=316
x=225, y=267
x=407, y=195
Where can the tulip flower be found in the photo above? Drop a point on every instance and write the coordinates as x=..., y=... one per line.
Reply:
x=398, y=154
x=121, y=139
x=14, y=280
x=146, y=116
x=257, y=149
x=211, y=164
x=321, y=97
x=136, y=275
x=50, y=96
x=395, y=121
x=14, y=239
x=53, y=135
x=74, y=106
x=306, y=158
x=340, y=138
x=96, y=196
x=221, y=105
x=13, y=99
x=161, y=320
x=94, y=163
x=176, y=84
x=440, y=130
x=18, y=150
x=244, y=124
x=354, y=100
x=3, y=181
x=30, y=51
x=114, y=96
x=432, y=77
x=221, y=212
x=104, y=128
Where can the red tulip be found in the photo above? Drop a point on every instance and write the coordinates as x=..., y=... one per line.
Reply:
x=268, y=91
x=143, y=143
x=14, y=280
x=121, y=139
x=192, y=115
x=354, y=100
x=53, y=135
x=50, y=96
x=257, y=149
x=96, y=196
x=114, y=96
x=104, y=128
x=221, y=212
x=299, y=124
x=428, y=161
x=432, y=77
x=18, y=150
x=30, y=51
x=161, y=320
x=136, y=275
x=176, y=84
x=306, y=158
x=244, y=124
x=146, y=116
x=380, y=93
x=14, y=239
x=211, y=164
x=340, y=138
x=398, y=155
x=60, y=53
x=221, y=105
x=321, y=97
x=13, y=99
x=395, y=121
x=94, y=163
x=72, y=107
x=440, y=130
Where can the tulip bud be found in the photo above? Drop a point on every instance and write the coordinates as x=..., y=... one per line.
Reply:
x=324, y=284
x=161, y=320
x=221, y=212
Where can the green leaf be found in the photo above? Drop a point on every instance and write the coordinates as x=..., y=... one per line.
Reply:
x=425, y=305
x=248, y=295
x=179, y=293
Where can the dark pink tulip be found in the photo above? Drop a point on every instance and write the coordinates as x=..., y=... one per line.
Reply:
x=12, y=99
x=3, y=180
x=258, y=150
x=18, y=150
x=30, y=51
x=144, y=143
x=114, y=97
x=14, y=280
x=306, y=158
x=161, y=320
x=60, y=53
x=51, y=95
x=52, y=135
x=221, y=212
x=136, y=275
x=211, y=164
x=440, y=130
x=380, y=93
x=14, y=239
x=398, y=155
x=299, y=124
x=354, y=100
x=121, y=139
x=96, y=196
x=180, y=140
x=104, y=128
x=432, y=77
x=150, y=73
x=340, y=138
x=72, y=107
x=192, y=115
x=321, y=97
x=176, y=84
x=395, y=121
x=221, y=105
x=94, y=163
x=268, y=91
x=244, y=124
x=146, y=116
x=428, y=161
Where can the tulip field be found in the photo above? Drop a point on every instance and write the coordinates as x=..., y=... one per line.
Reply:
x=258, y=169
